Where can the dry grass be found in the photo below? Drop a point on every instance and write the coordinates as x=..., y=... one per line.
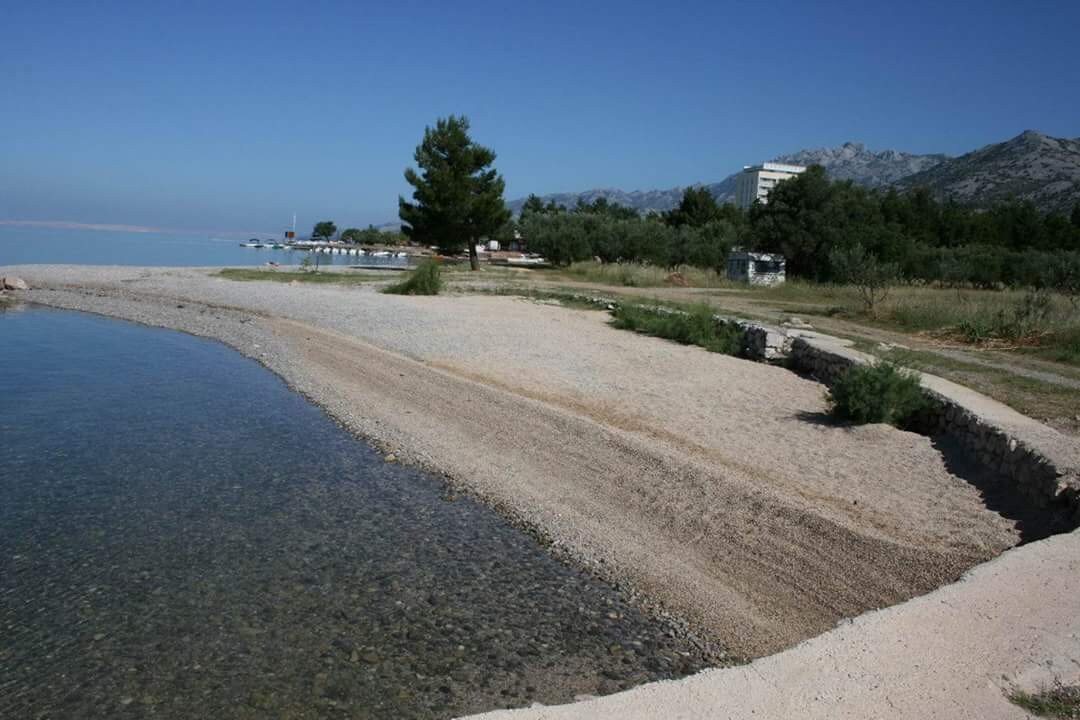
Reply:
x=1040, y=323
x=1036, y=322
x=638, y=275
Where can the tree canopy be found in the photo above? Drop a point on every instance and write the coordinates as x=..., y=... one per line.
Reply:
x=698, y=207
x=827, y=230
x=601, y=206
x=370, y=235
x=808, y=217
x=533, y=206
x=457, y=195
x=325, y=229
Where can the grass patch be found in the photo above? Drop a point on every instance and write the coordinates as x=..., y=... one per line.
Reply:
x=638, y=275
x=878, y=393
x=697, y=325
x=1061, y=346
x=566, y=298
x=1033, y=397
x=285, y=276
x=1061, y=701
x=426, y=279
x=925, y=360
x=1041, y=323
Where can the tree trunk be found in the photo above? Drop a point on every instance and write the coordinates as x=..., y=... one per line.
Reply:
x=474, y=259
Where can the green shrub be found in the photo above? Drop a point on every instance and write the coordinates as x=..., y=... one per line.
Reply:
x=881, y=393
x=1060, y=701
x=694, y=326
x=426, y=279
x=1028, y=318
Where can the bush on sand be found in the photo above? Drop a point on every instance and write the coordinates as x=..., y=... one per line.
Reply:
x=426, y=279
x=880, y=393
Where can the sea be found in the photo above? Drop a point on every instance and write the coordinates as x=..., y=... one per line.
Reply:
x=21, y=244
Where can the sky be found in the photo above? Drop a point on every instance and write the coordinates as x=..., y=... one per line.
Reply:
x=233, y=116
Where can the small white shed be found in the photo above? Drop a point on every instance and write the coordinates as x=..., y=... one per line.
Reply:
x=756, y=268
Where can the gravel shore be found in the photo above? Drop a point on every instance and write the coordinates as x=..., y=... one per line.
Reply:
x=714, y=487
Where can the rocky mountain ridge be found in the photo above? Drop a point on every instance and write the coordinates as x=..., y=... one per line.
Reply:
x=1034, y=166
x=1031, y=166
x=852, y=161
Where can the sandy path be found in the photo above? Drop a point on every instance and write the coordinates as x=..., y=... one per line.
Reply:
x=705, y=482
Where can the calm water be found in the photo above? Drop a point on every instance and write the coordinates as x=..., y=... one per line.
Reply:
x=24, y=245
x=182, y=536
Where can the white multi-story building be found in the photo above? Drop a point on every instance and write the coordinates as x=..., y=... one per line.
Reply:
x=755, y=182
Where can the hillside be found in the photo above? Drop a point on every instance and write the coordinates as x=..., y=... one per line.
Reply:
x=1031, y=166
x=850, y=161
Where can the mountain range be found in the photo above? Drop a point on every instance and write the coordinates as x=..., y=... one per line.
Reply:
x=1031, y=166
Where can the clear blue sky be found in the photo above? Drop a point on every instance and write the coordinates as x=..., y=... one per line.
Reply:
x=231, y=115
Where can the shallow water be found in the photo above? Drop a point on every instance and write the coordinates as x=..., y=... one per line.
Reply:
x=45, y=245
x=182, y=536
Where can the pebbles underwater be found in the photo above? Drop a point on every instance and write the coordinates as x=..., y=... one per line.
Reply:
x=183, y=536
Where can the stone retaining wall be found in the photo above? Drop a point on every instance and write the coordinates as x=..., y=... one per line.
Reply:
x=1050, y=482
x=1044, y=464
x=1040, y=478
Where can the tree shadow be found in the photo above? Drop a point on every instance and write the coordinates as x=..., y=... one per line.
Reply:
x=1002, y=495
x=999, y=493
x=823, y=419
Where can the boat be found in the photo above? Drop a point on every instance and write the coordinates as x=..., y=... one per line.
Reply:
x=252, y=243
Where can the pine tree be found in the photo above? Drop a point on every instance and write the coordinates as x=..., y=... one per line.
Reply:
x=697, y=208
x=325, y=229
x=458, y=197
x=533, y=206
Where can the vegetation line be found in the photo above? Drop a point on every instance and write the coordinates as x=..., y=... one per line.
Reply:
x=285, y=276
x=697, y=325
x=1060, y=701
x=426, y=279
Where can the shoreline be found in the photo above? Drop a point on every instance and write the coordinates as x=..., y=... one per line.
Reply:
x=938, y=648
x=696, y=536
x=238, y=330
